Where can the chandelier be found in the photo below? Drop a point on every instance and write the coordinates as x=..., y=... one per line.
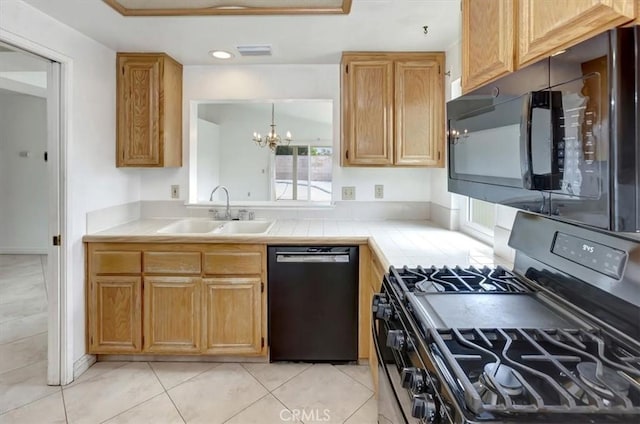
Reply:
x=272, y=139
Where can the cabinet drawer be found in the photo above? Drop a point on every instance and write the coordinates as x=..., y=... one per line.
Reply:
x=232, y=262
x=116, y=262
x=172, y=262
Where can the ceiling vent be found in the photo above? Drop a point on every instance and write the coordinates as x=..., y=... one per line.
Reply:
x=255, y=50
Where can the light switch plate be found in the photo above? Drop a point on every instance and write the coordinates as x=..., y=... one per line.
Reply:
x=348, y=193
x=175, y=191
x=379, y=191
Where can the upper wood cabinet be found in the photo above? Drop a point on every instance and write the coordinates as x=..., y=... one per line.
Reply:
x=488, y=36
x=499, y=36
x=148, y=110
x=546, y=28
x=392, y=109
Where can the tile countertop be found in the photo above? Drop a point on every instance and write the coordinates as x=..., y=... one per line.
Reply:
x=401, y=243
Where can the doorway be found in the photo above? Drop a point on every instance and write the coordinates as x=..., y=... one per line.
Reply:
x=31, y=217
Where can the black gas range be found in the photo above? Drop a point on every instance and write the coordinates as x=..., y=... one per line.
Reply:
x=555, y=340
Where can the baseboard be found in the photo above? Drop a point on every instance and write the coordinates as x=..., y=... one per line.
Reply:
x=182, y=358
x=23, y=251
x=83, y=364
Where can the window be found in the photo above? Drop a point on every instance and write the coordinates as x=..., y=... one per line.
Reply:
x=303, y=172
x=478, y=219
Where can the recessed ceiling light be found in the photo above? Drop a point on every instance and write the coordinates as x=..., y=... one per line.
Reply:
x=221, y=54
x=559, y=52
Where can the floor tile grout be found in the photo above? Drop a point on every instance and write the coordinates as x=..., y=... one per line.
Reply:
x=360, y=383
x=28, y=403
x=358, y=408
x=167, y=392
x=64, y=406
x=23, y=338
x=75, y=382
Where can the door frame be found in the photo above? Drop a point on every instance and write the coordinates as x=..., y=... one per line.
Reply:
x=60, y=316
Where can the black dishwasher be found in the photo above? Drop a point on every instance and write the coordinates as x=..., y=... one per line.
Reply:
x=313, y=303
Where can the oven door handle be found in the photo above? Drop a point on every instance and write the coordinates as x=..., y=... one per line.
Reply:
x=526, y=161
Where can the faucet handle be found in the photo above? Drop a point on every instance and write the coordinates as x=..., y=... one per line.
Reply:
x=242, y=214
x=252, y=215
x=214, y=214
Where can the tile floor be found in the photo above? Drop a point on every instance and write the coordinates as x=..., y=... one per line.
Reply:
x=158, y=392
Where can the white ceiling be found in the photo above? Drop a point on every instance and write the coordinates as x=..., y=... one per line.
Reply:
x=373, y=25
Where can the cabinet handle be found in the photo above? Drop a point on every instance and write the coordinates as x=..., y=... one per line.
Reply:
x=347, y=154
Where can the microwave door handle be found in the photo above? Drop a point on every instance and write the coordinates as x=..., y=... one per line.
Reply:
x=526, y=162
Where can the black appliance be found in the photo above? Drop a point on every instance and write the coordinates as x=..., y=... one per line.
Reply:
x=555, y=340
x=560, y=137
x=313, y=303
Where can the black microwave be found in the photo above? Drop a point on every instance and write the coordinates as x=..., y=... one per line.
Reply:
x=560, y=137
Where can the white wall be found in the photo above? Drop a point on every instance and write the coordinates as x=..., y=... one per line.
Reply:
x=208, y=164
x=92, y=180
x=265, y=82
x=23, y=180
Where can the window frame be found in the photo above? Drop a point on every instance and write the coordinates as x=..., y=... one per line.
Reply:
x=309, y=145
x=478, y=231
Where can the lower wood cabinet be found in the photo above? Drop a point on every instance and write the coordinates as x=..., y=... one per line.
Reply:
x=115, y=314
x=161, y=298
x=172, y=314
x=232, y=308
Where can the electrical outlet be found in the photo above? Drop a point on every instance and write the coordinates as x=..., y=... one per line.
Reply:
x=379, y=191
x=348, y=193
x=175, y=191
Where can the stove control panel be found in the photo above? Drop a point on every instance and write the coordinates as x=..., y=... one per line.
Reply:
x=598, y=257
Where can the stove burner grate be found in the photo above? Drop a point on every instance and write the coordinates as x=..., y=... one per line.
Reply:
x=457, y=279
x=541, y=370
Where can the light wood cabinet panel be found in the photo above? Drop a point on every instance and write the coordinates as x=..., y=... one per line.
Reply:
x=148, y=110
x=116, y=262
x=234, y=260
x=392, y=109
x=488, y=37
x=364, y=315
x=419, y=112
x=548, y=26
x=232, y=320
x=114, y=314
x=367, y=111
x=172, y=314
x=172, y=262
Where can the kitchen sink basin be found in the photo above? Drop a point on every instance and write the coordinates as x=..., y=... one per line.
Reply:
x=191, y=226
x=244, y=227
x=201, y=226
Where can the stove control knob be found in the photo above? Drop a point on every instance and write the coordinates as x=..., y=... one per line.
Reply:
x=379, y=298
x=423, y=408
x=383, y=311
x=413, y=378
x=395, y=339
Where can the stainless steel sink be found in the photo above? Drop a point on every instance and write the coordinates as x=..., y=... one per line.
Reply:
x=202, y=226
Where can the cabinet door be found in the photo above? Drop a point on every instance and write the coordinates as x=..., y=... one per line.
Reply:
x=367, y=103
x=232, y=321
x=419, y=112
x=138, y=111
x=549, y=26
x=488, y=35
x=114, y=315
x=172, y=314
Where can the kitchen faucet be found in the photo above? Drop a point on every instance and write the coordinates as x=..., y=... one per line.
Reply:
x=227, y=213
